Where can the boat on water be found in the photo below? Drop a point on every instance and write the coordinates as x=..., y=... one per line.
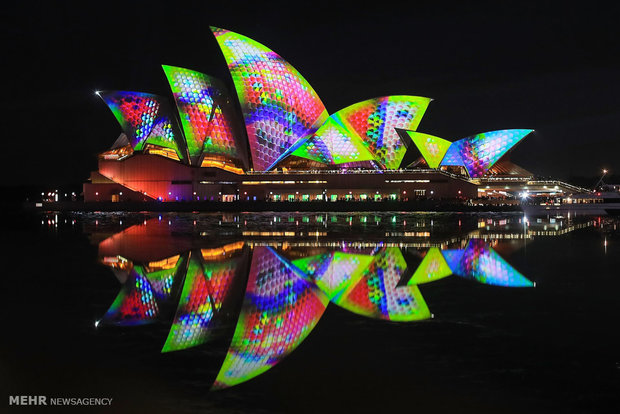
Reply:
x=591, y=203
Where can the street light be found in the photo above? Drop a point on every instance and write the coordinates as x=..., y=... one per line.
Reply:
x=600, y=181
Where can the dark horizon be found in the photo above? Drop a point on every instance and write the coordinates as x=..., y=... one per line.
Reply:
x=487, y=66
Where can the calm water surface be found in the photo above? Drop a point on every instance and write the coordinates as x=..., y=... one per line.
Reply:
x=311, y=312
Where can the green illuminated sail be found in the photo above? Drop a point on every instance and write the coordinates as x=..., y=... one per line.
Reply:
x=433, y=267
x=432, y=148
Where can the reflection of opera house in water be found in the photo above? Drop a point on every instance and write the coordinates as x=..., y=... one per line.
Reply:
x=266, y=294
x=276, y=141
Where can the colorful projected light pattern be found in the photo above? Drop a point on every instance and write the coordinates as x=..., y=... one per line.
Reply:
x=204, y=290
x=207, y=129
x=161, y=275
x=135, y=304
x=334, y=144
x=432, y=148
x=280, y=309
x=376, y=294
x=479, y=152
x=145, y=119
x=433, y=267
x=279, y=106
x=284, y=300
x=375, y=121
x=480, y=262
x=333, y=272
x=366, y=131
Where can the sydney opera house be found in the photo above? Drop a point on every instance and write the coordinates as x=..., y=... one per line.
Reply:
x=274, y=140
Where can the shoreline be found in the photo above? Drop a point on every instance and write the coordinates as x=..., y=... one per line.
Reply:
x=261, y=206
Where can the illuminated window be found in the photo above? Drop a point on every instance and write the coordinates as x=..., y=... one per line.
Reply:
x=333, y=197
x=222, y=165
x=161, y=151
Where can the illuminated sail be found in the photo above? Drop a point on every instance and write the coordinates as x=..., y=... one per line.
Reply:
x=161, y=275
x=480, y=152
x=208, y=284
x=433, y=267
x=376, y=294
x=279, y=106
x=481, y=263
x=334, y=144
x=279, y=311
x=145, y=119
x=135, y=304
x=432, y=148
x=366, y=131
x=202, y=104
x=333, y=272
x=453, y=258
x=194, y=313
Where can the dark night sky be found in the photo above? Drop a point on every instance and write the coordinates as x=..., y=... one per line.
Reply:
x=553, y=67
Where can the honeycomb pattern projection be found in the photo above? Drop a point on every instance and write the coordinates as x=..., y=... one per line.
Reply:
x=279, y=106
x=336, y=145
x=375, y=121
x=314, y=266
x=164, y=134
x=481, y=263
x=194, y=313
x=377, y=296
x=453, y=258
x=315, y=149
x=479, y=152
x=208, y=129
x=135, y=112
x=220, y=276
x=145, y=118
x=160, y=280
x=452, y=157
x=280, y=309
x=333, y=272
x=134, y=305
x=433, y=267
x=432, y=148
x=369, y=125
